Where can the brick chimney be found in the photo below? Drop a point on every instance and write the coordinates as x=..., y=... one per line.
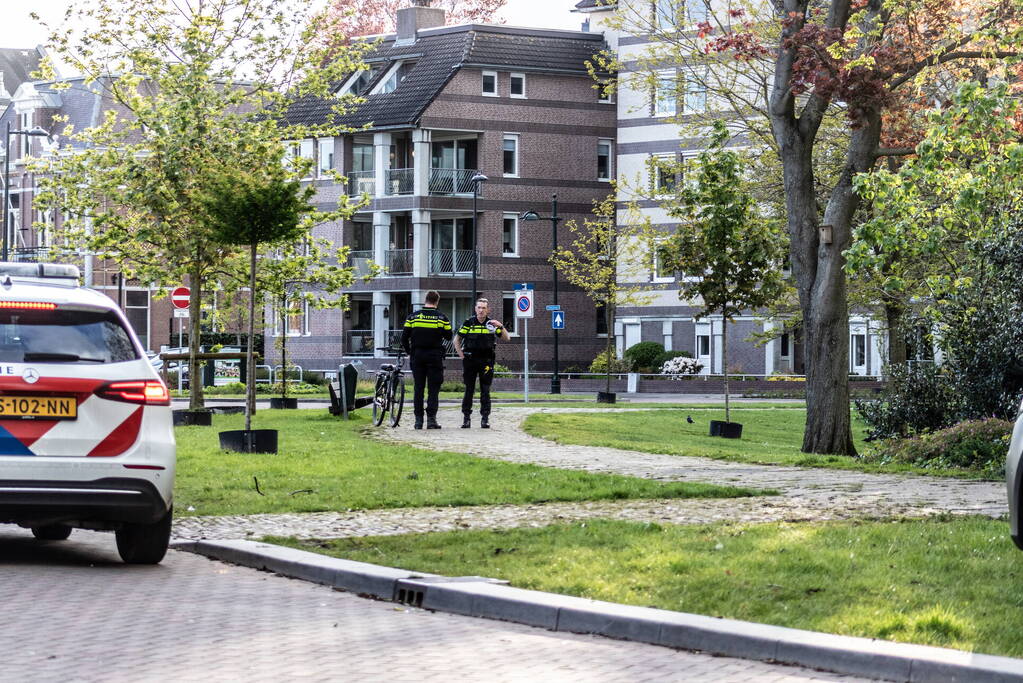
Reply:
x=412, y=19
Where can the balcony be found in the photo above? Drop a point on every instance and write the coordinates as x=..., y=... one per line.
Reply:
x=361, y=182
x=399, y=181
x=358, y=343
x=452, y=262
x=30, y=254
x=399, y=261
x=451, y=180
x=360, y=262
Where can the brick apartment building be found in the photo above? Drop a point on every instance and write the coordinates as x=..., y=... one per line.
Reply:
x=444, y=104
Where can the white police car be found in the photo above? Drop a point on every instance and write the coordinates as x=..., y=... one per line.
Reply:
x=86, y=436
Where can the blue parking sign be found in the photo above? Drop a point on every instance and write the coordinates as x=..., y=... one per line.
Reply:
x=557, y=320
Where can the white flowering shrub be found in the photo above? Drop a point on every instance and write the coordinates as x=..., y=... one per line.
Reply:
x=680, y=366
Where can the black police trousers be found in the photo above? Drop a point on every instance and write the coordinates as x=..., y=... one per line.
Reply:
x=479, y=365
x=428, y=374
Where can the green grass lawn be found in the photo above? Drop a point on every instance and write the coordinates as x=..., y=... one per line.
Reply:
x=770, y=435
x=953, y=583
x=326, y=463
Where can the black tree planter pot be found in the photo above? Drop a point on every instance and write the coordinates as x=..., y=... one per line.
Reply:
x=606, y=397
x=726, y=430
x=249, y=440
x=201, y=418
x=279, y=403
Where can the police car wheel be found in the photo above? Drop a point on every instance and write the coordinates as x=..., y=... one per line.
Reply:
x=144, y=543
x=51, y=532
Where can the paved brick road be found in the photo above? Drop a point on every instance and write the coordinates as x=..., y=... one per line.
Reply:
x=72, y=612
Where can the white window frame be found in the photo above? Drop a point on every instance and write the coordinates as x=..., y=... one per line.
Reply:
x=483, y=87
x=656, y=266
x=505, y=296
x=704, y=15
x=662, y=20
x=324, y=145
x=304, y=332
x=603, y=97
x=147, y=308
x=695, y=90
x=511, y=79
x=610, y=158
x=661, y=101
x=511, y=137
x=346, y=88
x=515, y=237
x=656, y=173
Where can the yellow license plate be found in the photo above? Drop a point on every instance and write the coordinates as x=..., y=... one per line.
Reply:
x=38, y=407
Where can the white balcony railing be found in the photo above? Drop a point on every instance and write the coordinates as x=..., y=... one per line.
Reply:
x=399, y=261
x=360, y=262
x=452, y=262
x=452, y=180
x=399, y=181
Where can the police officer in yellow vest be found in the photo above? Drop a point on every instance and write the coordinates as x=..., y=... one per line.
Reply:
x=423, y=339
x=475, y=344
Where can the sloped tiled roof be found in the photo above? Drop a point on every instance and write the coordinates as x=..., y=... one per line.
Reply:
x=439, y=54
x=16, y=65
x=595, y=4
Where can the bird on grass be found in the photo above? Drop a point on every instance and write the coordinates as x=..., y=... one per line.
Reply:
x=689, y=419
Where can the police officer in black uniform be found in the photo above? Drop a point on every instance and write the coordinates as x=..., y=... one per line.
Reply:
x=475, y=343
x=423, y=339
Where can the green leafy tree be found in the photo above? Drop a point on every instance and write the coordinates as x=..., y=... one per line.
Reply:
x=307, y=272
x=253, y=208
x=721, y=237
x=606, y=260
x=194, y=92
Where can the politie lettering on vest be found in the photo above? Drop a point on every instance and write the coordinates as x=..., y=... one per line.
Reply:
x=476, y=343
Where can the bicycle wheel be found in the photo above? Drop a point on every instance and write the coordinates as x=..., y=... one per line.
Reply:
x=380, y=402
x=397, y=399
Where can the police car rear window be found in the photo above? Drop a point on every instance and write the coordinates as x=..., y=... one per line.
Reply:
x=61, y=336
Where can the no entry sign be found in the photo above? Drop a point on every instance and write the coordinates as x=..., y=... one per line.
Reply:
x=179, y=297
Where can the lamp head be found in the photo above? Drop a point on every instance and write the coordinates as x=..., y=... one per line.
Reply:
x=478, y=178
x=529, y=216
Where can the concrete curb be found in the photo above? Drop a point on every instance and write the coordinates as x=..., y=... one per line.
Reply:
x=492, y=599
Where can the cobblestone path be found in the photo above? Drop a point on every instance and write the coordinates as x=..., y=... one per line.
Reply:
x=808, y=494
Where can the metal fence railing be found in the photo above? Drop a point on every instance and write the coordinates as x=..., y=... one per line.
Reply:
x=399, y=181
x=399, y=261
x=360, y=182
x=360, y=262
x=452, y=180
x=358, y=343
x=452, y=261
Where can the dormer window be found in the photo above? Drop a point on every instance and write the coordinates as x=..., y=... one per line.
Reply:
x=394, y=77
x=357, y=84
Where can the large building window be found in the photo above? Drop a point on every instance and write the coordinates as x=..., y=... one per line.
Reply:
x=136, y=310
x=695, y=100
x=601, y=320
x=511, y=155
x=510, y=235
x=517, y=85
x=605, y=163
x=490, y=83
x=665, y=96
x=508, y=312
x=325, y=155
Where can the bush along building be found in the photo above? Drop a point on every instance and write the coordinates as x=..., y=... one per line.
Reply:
x=659, y=107
x=488, y=118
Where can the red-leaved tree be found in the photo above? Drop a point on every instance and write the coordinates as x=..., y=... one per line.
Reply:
x=354, y=18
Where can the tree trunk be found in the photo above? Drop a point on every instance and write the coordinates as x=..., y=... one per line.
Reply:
x=724, y=363
x=195, y=397
x=250, y=371
x=894, y=314
x=284, y=347
x=609, y=317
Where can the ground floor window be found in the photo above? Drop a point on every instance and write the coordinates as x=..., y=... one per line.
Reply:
x=136, y=310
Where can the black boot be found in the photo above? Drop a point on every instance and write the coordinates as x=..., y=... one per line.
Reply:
x=466, y=423
x=431, y=423
x=485, y=422
x=419, y=423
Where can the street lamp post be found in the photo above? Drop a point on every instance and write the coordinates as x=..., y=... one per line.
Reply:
x=475, y=180
x=37, y=131
x=554, y=218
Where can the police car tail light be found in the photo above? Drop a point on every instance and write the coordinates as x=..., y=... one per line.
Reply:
x=148, y=392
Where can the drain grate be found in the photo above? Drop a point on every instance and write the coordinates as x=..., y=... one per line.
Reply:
x=408, y=596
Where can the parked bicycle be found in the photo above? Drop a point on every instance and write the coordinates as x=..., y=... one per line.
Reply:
x=389, y=394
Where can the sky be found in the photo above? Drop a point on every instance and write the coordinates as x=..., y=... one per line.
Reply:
x=19, y=31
